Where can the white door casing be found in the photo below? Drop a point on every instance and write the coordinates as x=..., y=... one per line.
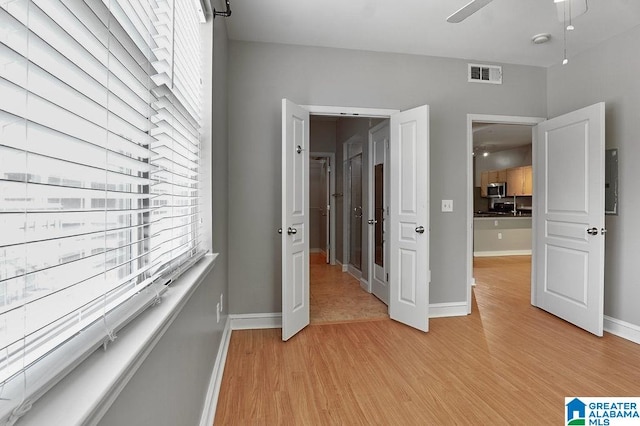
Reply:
x=568, y=260
x=378, y=155
x=295, y=220
x=409, y=218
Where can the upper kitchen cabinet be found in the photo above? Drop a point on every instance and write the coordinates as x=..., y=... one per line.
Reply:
x=515, y=182
x=527, y=172
x=484, y=182
x=519, y=181
x=495, y=176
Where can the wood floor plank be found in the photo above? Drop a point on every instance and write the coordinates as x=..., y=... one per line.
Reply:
x=506, y=363
x=336, y=296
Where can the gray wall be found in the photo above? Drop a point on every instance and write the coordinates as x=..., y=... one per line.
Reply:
x=261, y=74
x=170, y=386
x=322, y=134
x=609, y=72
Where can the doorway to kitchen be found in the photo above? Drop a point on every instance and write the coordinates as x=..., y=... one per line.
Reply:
x=500, y=195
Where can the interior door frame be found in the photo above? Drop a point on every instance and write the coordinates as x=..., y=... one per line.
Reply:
x=332, y=202
x=494, y=119
x=339, y=111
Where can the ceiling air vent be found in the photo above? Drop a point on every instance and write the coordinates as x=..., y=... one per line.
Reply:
x=485, y=74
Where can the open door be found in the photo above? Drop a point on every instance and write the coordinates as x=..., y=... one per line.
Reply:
x=568, y=238
x=409, y=218
x=378, y=210
x=295, y=221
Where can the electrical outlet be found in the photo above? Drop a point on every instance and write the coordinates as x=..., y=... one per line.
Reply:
x=499, y=235
x=221, y=304
x=447, y=205
x=218, y=312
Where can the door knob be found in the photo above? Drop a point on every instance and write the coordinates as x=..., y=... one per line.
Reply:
x=420, y=229
x=372, y=222
x=279, y=230
x=292, y=231
x=592, y=231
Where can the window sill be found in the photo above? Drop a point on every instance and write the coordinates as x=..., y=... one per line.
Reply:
x=85, y=394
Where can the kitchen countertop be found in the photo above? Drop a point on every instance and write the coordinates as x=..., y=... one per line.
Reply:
x=501, y=215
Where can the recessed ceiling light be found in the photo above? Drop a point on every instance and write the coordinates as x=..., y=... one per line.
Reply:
x=485, y=154
x=541, y=38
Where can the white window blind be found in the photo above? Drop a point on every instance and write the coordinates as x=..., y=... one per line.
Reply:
x=99, y=160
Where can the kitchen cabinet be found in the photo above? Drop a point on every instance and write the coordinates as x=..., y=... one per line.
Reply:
x=515, y=181
x=527, y=172
x=519, y=181
x=497, y=176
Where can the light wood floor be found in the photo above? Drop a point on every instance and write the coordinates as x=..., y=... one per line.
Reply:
x=336, y=296
x=506, y=363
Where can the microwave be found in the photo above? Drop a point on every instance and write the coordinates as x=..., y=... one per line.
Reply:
x=497, y=190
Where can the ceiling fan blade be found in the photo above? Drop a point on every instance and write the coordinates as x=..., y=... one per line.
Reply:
x=467, y=10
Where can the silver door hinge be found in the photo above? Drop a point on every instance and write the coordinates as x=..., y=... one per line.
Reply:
x=387, y=277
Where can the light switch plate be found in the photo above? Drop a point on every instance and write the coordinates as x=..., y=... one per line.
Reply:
x=447, y=205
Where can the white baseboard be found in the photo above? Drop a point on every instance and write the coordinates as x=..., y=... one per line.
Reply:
x=622, y=329
x=501, y=253
x=455, y=309
x=213, y=392
x=365, y=285
x=274, y=320
x=355, y=273
x=345, y=268
x=255, y=321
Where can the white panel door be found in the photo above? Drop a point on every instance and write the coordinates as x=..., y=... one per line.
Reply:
x=295, y=220
x=409, y=218
x=569, y=217
x=378, y=210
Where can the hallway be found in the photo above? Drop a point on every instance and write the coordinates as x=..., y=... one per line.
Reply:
x=336, y=296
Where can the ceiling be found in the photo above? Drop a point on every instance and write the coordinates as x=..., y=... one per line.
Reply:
x=499, y=32
x=491, y=137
